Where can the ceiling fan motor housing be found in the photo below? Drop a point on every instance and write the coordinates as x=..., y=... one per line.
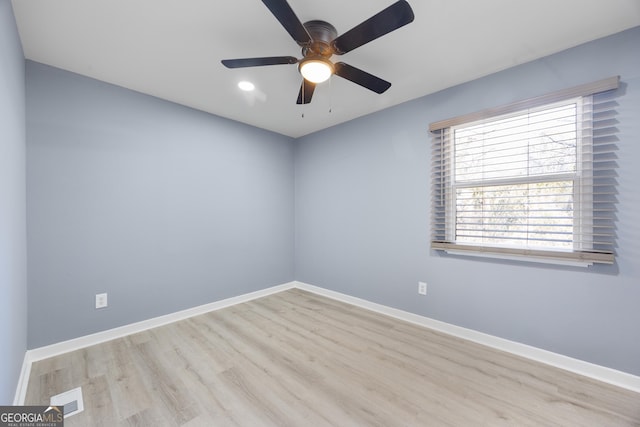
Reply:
x=322, y=34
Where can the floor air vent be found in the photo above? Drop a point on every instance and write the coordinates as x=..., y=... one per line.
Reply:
x=70, y=400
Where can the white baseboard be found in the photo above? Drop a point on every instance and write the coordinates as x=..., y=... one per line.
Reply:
x=23, y=381
x=99, y=337
x=590, y=370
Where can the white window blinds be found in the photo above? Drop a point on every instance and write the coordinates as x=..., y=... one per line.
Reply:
x=535, y=178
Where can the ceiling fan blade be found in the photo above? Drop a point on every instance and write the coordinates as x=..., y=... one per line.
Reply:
x=283, y=13
x=257, y=62
x=360, y=77
x=306, y=89
x=391, y=18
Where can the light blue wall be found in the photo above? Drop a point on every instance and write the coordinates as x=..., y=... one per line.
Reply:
x=13, y=257
x=362, y=219
x=163, y=207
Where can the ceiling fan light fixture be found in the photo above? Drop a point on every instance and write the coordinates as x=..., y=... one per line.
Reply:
x=316, y=70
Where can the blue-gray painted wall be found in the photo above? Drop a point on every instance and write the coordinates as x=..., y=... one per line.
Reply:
x=362, y=219
x=161, y=206
x=13, y=255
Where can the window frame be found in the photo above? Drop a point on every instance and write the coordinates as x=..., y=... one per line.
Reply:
x=582, y=252
x=582, y=162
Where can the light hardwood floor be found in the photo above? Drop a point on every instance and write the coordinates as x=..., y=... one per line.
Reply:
x=299, y=359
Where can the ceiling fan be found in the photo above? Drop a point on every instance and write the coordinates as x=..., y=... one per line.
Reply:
x=320, y=41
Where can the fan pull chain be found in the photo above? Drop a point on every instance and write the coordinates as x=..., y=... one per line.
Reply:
x=330, y=95
x=303, y=98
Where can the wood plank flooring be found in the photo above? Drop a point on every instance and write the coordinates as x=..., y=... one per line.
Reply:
x=299, y=359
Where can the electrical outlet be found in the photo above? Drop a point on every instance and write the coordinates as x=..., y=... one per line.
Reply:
x=422, y=288
x=101, y=300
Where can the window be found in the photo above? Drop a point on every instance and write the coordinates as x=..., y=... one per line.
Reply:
x=533, y=179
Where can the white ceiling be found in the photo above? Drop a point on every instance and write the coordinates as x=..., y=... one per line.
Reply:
x=172, y=49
